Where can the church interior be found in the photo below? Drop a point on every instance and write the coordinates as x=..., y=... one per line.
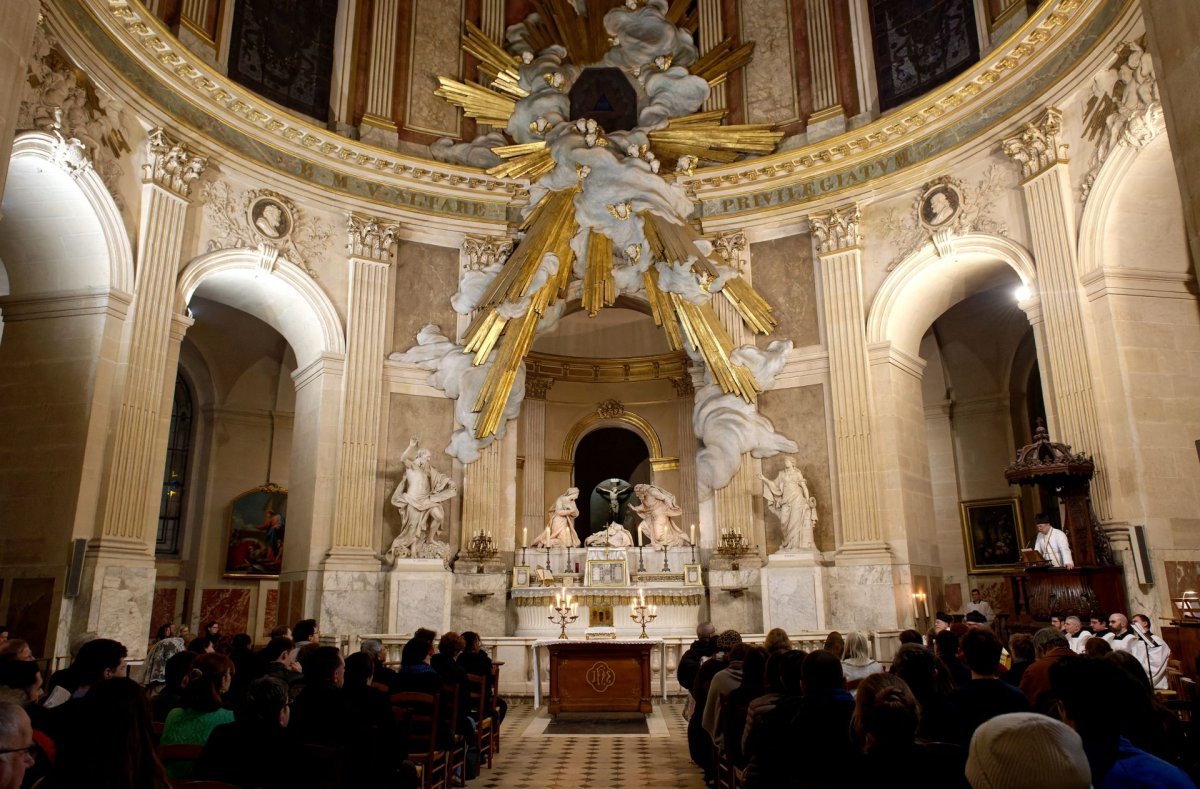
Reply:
x=577, y=325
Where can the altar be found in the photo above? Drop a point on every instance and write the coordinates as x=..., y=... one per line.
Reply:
x=598, y=676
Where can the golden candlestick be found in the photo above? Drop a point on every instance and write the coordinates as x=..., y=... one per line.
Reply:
x=643, y=615
x=565, y=612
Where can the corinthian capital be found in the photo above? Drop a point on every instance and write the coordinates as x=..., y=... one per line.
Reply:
x=370, y=238
x=480, y=253
x=1037, y=146
x=837, y=229
x=170, y=164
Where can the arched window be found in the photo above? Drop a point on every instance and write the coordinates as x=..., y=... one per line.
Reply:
x=179, y=448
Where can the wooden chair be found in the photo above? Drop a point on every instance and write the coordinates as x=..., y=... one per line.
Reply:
x=422, y=711
x=179, y=753
x=457, y=756
x=494, y=691
x=485, y=726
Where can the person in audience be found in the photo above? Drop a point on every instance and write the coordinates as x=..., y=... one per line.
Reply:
x=974, y=619
x=16, y=649
x=704, y=647
x=246, y=667
x=884, y=728
x=112, y=744
x=911, y=636
x=1147, y=722
x=68, y=678
x=982, y=606
x=99, y=660
x=1049, y=647
x=985, y=696
x=255, y=750
x=820, y=730
x=941, y=621
x=303, y=633
x=374, y=649
x=1098, y=719
x=166, y=646
x=212, y=631
x=176, y=677
x=765, y=742
x=1098, y=624
x=722, y=684
x=20, y=682
x=416, y=675
x=1020, y=647
x=1077, y=636
x=835, y=644
x=321, y=712
x=731, y=722
x=857, y=663
x=928, y=680
x=202, y=710
x=1153, y=652
x=281, y=631
x=445, y=661
x=1097, y=647
x=476, y=661
x=201, y=645
x=777, y=640
x=945, y=646
x=276, y=658
x=1058, y=622
x=700, y=744
x=16, y=745
x=772, y=692
x=1123, y=638
x=1025, y=750
x=375, y=737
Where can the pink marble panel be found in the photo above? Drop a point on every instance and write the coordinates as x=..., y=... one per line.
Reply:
x=953, y=596
x=162, y=610
x=271, y=616
x=230, y=607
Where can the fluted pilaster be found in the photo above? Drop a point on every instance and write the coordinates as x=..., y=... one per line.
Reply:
x=1049, y=205
x=382, y=69
x=712, y=31
x=533, y=481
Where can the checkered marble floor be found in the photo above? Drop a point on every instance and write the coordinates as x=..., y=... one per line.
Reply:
x=529, y=757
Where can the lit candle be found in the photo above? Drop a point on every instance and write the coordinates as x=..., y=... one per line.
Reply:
x=693, y=534
x=574, y=609
x=642, y=595
x=633, y=602
x=524, y=536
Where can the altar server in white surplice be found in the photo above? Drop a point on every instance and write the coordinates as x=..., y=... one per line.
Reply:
x=1052, y=544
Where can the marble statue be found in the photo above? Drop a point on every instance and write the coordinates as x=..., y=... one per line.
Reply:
x=560, y=531
x=788, y=498
x=419, y=498
x=614, y=536
x=657, y=508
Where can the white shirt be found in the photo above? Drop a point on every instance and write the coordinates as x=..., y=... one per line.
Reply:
x=983, y=607
x=1078, y=641
x=1054, y=548
x=1125, y=642
x=1151, y=652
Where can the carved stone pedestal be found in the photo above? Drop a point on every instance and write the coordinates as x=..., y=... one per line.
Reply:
x=793, y=593
x=419, y=595
x=735, y=597
x=479, y=599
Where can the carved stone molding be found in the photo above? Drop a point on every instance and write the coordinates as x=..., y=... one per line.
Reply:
x=610, y=409
x=684, y=386
x=170, y=164
x=537, y=387
x=370, y=238
x=733, y=249
x=248, y=220
x=838, y=229
x=1038, y=147
x=70, y=154
x=481, y=252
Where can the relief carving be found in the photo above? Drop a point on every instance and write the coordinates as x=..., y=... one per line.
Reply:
x=261, y=218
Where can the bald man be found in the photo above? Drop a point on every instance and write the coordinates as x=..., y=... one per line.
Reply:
x=16, y=745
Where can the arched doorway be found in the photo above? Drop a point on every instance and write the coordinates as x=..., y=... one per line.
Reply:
x=605, y=453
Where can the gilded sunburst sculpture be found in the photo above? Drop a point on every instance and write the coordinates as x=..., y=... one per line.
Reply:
x=599, y=103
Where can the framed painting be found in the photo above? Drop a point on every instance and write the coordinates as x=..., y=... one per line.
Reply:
x=520, y=576
x=692, y=575
x=992, y=534
x=607, y=572
x=254, y=539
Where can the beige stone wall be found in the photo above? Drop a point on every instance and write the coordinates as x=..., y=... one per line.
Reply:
x=800, y=414
x=435, y=27
x=426, y=278
x=769, y=81
x=430, y=420
x=783, y=271
x=17, y=19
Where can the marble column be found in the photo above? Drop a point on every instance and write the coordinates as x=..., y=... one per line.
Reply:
x=837, y=237
x=689, y=493
x=533, y=438
x=1066, y=372
x=490, y=493
x=124, y=546
x=17, y=21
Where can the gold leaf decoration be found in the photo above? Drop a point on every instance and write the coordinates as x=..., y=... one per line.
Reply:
x=599, y=290
x=476, y=101
x=498, y=66
x=715, y=64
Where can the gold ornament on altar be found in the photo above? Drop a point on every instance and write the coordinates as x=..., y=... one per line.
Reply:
x=628, y=222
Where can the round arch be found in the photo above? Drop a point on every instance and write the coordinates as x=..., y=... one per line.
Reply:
x=926, y=284
x=92, y=206
x=275, y=291
x=626, y=419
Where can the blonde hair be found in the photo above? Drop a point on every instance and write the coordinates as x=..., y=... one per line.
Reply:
x=856, y=647
x=777, y=638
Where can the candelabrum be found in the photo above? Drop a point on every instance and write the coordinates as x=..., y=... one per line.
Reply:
x=733, y=543
x=666, y=567
x=565, y=612
x=482, y=546
x=642, y=614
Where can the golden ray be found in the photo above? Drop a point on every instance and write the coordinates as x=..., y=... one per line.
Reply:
x=497, y=65
x=712, y=141
x=661, y=309
x=706, y=334
x=529, y=160
x=599, y=289
x=476, y=101
x=715, y=64
x=669, y=242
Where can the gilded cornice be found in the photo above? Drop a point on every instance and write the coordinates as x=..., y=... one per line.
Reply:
x=154, y=64
x=586, y=369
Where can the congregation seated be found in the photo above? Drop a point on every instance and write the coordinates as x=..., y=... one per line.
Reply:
x=929, y=681
x=1020, y=649
x=475, y=661
x=321, y=712
x=857, y=663
x=237, y=753
x=383, y=673
x=202, y=709
x=731, y=722
x=984, y=696
x=945, y=646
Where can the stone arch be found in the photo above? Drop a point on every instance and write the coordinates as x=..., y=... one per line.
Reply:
x=926, y=284
x=94, y=203
x=272, y=289
x=626, y=419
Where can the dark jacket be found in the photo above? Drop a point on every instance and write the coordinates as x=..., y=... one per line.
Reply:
x=690, y=662
x=252, y=754
x=980, y=700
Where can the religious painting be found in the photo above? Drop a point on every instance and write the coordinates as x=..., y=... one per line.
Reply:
x=254, y=541
x=691, y=575
x=940, y=205
x=520, y=576
x=991, y=534
x=269, y=217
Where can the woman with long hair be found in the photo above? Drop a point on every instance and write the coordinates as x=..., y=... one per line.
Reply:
x=884, y=729
x=202, y=711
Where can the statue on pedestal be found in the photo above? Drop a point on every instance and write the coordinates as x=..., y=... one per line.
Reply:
x=788, y=499
x=560, y=531
x=419, y=498
x=657, y=508
x=614, y=536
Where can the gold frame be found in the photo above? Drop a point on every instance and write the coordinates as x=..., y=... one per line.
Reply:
x=688, y=570
x=268, y=489
x=966, y=509
x=520, y=571
x=597, y=563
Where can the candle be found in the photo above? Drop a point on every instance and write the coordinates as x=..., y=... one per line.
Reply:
x=693, y=534
x=633, y=602
x=642, y=595
x=574, y=609
x=524, y=535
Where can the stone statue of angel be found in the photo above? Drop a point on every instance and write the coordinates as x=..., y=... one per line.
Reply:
x=789, y=500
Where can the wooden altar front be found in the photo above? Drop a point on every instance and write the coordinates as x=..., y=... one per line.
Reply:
x=600, y=676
